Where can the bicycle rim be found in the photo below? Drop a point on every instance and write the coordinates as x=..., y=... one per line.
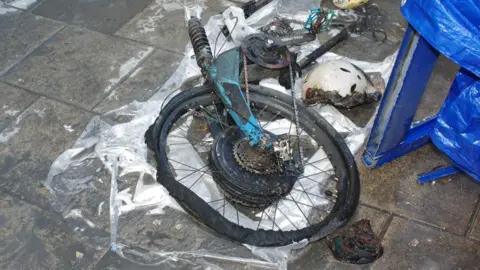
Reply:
x=322, y=199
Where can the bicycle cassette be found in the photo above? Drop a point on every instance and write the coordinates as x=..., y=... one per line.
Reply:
x=259, y=52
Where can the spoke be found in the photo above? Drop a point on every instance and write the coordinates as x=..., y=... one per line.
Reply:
x=192, y=173
x=316, y=195
x=260, y=221
x=322, y=189
x=187, y=165
x=176, y=136
x=304, y=176
x=300, y=183
x=336, y=179
x=224, y=202
x=217, y=200
x=299, y=208
x=218, y=115
x=187, y=170
x=273, y=118
x=258, y=114
x=196, y=170
x=273, y=220
x=224, y=205
x=238, y=218
x=274, y=216
x=164, y=144
x=197, y=180
x=192, y=168
x=283, y=213
x=313, y=207
x=199, y=140
x=212, y=117
x=316, y=161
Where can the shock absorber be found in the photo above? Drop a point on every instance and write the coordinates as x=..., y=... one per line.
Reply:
x=198, y=37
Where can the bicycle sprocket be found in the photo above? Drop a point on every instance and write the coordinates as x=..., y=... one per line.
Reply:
x=254, y=159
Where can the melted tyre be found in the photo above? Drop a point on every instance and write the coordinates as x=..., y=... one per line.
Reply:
x=246, y=204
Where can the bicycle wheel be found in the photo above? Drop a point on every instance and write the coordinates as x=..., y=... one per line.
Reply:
x=320, y=200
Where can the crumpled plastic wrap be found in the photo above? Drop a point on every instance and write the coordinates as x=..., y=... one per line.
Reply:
x=106, y=182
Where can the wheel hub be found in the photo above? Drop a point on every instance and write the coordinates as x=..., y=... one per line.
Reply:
x=249, y=176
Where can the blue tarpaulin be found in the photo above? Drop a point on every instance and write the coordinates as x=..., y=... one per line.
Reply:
x=453, y=28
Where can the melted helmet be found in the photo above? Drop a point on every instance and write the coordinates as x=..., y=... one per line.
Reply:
x=336, y=76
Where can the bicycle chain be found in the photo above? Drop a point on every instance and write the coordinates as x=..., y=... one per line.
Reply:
x=295, y=112
x=251, y=162
x=244, y=52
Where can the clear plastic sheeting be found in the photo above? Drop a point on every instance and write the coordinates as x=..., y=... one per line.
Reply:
x=105, y=184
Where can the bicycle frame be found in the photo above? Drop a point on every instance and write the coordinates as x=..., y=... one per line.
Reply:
x=224, y=74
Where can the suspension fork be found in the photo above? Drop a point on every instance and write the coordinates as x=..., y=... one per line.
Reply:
x=224, y=74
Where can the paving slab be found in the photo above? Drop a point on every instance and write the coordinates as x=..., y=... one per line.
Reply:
x=21, y=33
x=13, y=102
x=100, y=15
x=32, y=142
x=145, y=81
x=447, y=203
x=78, y=66
x=437, y=89
x=318, y=256
x=408, y=245
x=112, y=261
x=169, y=231
x=32, y=238
x=162, y=23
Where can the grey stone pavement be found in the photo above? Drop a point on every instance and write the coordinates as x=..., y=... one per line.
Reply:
x=63, y=62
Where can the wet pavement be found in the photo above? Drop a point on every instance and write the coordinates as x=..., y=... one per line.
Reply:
x=64, y=62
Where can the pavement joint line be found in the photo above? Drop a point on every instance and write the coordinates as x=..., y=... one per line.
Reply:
x=133, y=17
x=34, y=6
x=52, y=98
x=22, y=111
x=385, y=227
x=473, y=218
x=57, y=215
x=115, y=86
x=25, y=200
x=420, y=222
x=114, y=35
x=375, y=208
x=43, y=41
x=145, y=44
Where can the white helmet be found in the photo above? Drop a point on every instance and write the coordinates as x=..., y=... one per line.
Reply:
x=335, y=76
x=348, y=4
